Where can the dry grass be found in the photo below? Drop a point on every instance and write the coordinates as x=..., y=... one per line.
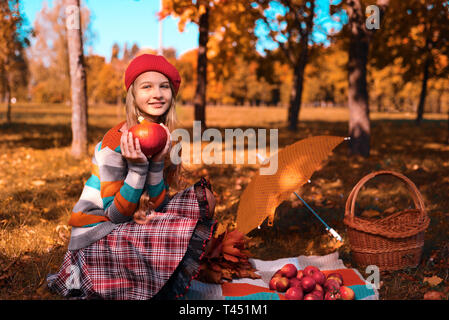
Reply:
x=40, y=183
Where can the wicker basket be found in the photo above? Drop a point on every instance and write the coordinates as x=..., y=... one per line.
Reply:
x=391, y=243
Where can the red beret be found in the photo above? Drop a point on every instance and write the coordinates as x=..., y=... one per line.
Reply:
x=150, y=62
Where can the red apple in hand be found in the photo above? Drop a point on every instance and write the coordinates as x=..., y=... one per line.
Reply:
x=294, y=293
x=282, y=284
x=347, y=293
x=152, y=137
x=289, y=270
x=308, y=284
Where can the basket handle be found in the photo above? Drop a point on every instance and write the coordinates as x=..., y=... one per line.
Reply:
x=416, y=195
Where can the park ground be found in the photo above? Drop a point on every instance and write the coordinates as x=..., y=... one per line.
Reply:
x=40, y=182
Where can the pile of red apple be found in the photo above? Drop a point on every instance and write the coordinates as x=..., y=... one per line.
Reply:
x=309, y=284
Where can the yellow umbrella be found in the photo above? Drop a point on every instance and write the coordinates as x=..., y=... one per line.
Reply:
x=296, y=164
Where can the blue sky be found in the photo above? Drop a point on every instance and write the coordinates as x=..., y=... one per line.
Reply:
x=130, y=21
x=127, y=21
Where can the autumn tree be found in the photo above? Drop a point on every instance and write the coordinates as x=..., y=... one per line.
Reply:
x=242, y=82
x=229, y=22
x=244, y=85
x=360, y=32
x=292, y=31
x=105, y=79
x=49, y=57
x=388, y=90
x=186, y=65
x=279, y=75
x=77, y=78
x=13, y=41
x=326, y=81
x=110, y=84
x=416, y=34
x=94, y=65
x=112, y=87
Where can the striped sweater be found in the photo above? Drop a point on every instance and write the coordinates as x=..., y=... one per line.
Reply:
x=111, y=194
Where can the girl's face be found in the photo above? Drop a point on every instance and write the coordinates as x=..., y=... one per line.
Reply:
x=153, y=94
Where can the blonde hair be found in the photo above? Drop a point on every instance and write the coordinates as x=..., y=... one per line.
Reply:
x=172, y=172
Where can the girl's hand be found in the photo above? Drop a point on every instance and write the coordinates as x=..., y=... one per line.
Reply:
x=131, y=150
x=141, y=217
x=161, y=155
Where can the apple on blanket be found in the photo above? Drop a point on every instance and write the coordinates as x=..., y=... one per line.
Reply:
x=309, y=284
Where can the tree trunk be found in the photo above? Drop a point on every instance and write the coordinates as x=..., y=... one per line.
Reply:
x=296, y=93
x=447, y=139
x=440, y=101
x=358, y=101
x=299, y=67
x=359, y=122
x=77, y=80
x=8, y=99
x=6, y=91
x=379, y=103
x=200, y=93
x=422, y=96
x=358, y=98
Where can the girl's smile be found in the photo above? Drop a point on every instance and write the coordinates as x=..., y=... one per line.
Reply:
x=157, y=104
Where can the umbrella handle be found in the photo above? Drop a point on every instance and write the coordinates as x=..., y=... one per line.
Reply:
x=311, y=210
x=335, y=234
x=329, y=229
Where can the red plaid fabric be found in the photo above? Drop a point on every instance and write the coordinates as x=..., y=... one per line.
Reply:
x=135, y=261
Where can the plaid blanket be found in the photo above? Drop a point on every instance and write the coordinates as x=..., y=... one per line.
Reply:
x=258, y=289
x=135, y=261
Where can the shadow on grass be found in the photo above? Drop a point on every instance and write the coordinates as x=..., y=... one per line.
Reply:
x=296, y=231
x=26, y=275
x=50, y=202
x=384, y=133
x=44, y=136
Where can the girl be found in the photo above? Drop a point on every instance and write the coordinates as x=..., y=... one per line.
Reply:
x=129, y=239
